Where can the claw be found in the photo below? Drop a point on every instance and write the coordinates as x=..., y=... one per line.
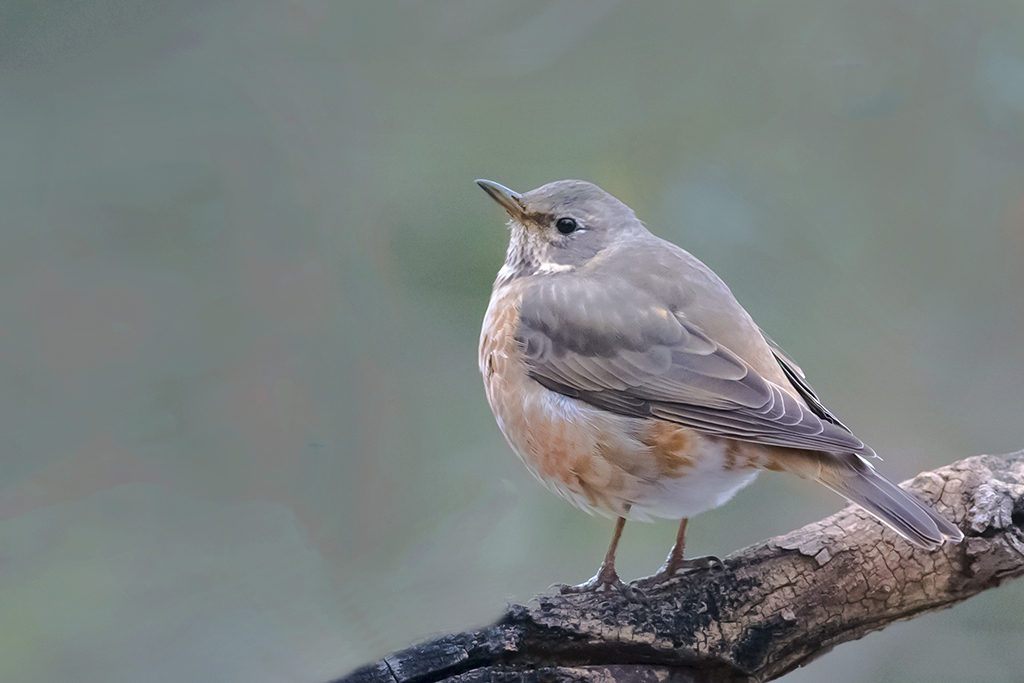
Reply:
x=675, y=570
x=605, y=581
x=675, y=562
x=706, y=562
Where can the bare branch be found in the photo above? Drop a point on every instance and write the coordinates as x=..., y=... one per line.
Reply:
x=775, y=606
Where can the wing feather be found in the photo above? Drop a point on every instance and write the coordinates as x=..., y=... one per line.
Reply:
x=620, y=349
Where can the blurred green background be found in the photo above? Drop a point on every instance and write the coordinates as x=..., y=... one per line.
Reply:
x=243, y=265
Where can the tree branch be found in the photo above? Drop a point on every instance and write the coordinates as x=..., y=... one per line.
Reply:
x=776, y=605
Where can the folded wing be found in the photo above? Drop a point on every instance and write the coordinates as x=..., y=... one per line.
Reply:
x=620, y=349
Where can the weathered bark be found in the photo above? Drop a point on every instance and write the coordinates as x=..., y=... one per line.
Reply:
x=775, y=605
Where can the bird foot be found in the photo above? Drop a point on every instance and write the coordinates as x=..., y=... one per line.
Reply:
x=675, y=568
x=605, y=581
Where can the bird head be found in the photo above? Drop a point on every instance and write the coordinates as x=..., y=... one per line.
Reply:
x=560, y=226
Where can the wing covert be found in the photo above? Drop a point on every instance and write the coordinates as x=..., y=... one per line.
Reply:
x=617, y=347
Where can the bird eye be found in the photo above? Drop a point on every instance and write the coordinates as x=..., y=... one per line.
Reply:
x=566, y=225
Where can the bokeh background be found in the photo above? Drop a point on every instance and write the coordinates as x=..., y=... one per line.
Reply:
x=243, y=265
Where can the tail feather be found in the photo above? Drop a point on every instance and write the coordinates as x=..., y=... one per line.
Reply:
x=856, y=480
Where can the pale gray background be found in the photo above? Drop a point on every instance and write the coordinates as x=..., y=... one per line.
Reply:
x=243, y=265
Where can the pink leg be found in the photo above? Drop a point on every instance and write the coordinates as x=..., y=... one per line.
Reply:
x=606, y=578
x=675, y=562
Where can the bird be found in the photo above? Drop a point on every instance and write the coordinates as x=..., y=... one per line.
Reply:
x=629, y=380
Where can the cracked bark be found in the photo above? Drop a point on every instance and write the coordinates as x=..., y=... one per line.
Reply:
x=776, y=605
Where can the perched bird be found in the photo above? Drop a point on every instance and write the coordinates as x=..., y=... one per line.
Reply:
x=628, y=379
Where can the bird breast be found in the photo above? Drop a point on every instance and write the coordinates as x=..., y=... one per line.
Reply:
x=600, y=461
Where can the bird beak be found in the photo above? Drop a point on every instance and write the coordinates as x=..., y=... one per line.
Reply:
x=510, y=200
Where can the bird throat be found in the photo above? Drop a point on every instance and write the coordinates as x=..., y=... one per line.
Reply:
x=528, y=254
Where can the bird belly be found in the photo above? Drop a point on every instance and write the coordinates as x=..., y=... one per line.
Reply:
x=602, y=462
x=709, y=485
x=607, y=464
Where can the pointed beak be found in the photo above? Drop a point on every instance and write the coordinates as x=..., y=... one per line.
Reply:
x=510, y=200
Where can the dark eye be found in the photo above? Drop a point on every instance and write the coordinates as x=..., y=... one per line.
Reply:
x=566, y=225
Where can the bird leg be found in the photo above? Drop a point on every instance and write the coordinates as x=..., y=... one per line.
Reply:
x=675, y=563
x=606, y=577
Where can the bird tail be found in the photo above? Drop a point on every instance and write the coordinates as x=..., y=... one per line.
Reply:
x=852, y=477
